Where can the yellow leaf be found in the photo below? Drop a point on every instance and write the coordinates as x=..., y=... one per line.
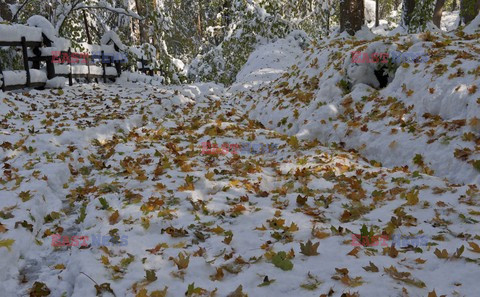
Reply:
x=160, y=187
x=209, y=175
x=59, y=266
x=7, y=243
x=142, y=293
x=442, y=254
x=293, y=227
x=105, y=260
x=475, y=247
x=217, y=230
x=158, y=293
x=293, y=142
x=412, y=197
x=234, y=183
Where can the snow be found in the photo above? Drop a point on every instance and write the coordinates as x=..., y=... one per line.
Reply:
x=19, y=77
x=17, y=31
x=112, y=36
x=42, y=23
x=178, y=63
x=57, y=82
x=126, y=158
x=474, y=26
x=129, y=141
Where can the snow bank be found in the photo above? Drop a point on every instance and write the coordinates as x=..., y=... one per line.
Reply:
x=140, y=77
x=15, y=33
x=111, y=35
x=42, y=23
x=474, y=26
x=426, y=118
x=57, y=82
x=19, y=77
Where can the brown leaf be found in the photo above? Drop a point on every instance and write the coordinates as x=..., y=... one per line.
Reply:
x=114, y=218
x=354, y=252
x=371, y=267
x=443, y=254
x=474, y=246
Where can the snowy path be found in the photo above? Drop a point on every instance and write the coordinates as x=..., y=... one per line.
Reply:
x=126, y=163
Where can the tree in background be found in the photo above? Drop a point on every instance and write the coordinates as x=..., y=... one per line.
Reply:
x=408, y=7
x=352, y=15
x=468, y=10
x=437, y=12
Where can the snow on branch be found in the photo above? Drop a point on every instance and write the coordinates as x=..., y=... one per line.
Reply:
x=108, y=7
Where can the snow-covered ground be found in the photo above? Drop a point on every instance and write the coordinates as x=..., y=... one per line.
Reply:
x=125, y=162
x=122, y=164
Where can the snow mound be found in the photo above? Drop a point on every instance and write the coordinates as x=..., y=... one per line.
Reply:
x=111, y=35
x=16, y=32
x=425, y=118
x=474, y=26
x=42, y=23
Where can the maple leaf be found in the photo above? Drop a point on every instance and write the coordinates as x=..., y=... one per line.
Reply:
x=182, y=261
x=301, y=200
x=309, y=249
x=191, y=290
x=442, y=254
x=25, y=196
x=404, y=277
x=371, y=267
x=412, y=197
x=280, y=260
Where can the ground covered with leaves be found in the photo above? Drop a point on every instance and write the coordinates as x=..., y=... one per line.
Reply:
x=125, y=163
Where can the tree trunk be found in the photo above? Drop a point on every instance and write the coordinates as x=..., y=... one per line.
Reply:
x=408, y=7
x=469, y=10
x=87, y=30
x=141, y=23
x=377, y=7
x=454, y=5
x=437, y=13
x=352, y=16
